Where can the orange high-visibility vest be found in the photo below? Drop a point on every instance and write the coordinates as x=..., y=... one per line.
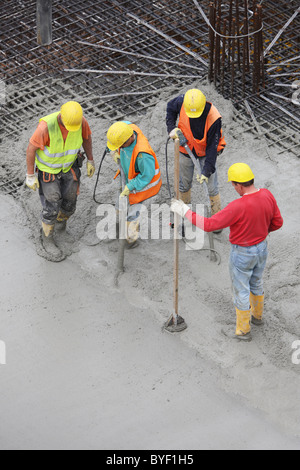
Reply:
x=153, y=188
x=199, y=145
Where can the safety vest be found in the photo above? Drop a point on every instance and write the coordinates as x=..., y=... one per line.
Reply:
x=60, y=155
x=199, y=145
x=153, y=188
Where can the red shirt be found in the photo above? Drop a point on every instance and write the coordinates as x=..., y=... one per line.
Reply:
x=250, y=218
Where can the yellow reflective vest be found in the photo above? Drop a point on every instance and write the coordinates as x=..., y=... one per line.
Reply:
x=60, y=155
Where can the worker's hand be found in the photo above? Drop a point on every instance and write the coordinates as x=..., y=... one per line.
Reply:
x=32, y=182
x=202, y=178
x=90, y=166
x=115, y=156
x=173, y=134
x=126, y=192
x=179, y=207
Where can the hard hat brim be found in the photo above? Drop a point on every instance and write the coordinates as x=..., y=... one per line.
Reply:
x=112, y=147
x=194, y=115
x=73, y=128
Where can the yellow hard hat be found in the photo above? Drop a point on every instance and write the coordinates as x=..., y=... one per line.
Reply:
x=118, y=134
x=194, y=103
x=240, y=173
x=71, y=115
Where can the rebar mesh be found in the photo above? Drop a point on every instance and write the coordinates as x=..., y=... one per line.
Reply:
x=37, y=79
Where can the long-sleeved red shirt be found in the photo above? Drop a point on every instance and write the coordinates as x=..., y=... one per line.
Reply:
x=250, y=218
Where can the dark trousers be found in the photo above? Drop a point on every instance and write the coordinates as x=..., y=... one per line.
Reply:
x=58, y=193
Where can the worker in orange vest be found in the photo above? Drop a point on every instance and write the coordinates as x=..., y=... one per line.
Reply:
x=201, y=124
x=141, y=168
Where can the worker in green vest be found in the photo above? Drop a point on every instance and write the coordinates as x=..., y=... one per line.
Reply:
x=53, y=149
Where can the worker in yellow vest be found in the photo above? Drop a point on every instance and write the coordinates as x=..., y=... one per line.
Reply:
x=201, y=124
x=138, y=160
x=53, y=149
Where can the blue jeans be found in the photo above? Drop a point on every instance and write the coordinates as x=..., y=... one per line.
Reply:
x=187, y=173
x=246, y=266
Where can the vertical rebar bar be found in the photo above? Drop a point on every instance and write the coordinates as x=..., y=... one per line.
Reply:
x=223, y=55
x=245, y=58
x=256, y=59
x=233, y=57
x=230, y=33
x=247, y=37
x=237, y=15
x=218, y=47
x=211, y=43
x=261, y=46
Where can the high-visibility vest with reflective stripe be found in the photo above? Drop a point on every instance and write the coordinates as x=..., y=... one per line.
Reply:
x=199, y=145
x=153, y=188
x=60, y=155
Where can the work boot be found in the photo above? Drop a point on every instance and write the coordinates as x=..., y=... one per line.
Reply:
x=61, y=222
x=61, y=227
x=215, y=203
x=133, y=233
x=243, y=327
x=186, y=197
x=48, y=241
x=257, y=308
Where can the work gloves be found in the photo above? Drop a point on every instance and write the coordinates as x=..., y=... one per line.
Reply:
x=126, y=192
x=115, y=156
x=202, y=178
x=179, y=207
x=173, y=134
x=32, y=182
x=90, y=166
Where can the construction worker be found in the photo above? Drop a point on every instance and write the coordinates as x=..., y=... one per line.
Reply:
x=201, y=124
x=250, y=218
x=54, y=149
x=131, y=149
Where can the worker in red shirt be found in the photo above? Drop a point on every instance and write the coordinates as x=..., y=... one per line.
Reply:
x=250, y=218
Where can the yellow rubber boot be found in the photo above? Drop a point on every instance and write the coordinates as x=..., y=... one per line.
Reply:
x=133, y=233
x=243, y=327
x=186, y=197
x=47, y=230
x=48, y=242
x=61, y=223
x=257, y=308
x=62, y=217
x=215, y=203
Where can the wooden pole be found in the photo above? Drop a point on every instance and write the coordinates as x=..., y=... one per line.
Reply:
x=176, y=231
x=176, y=323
